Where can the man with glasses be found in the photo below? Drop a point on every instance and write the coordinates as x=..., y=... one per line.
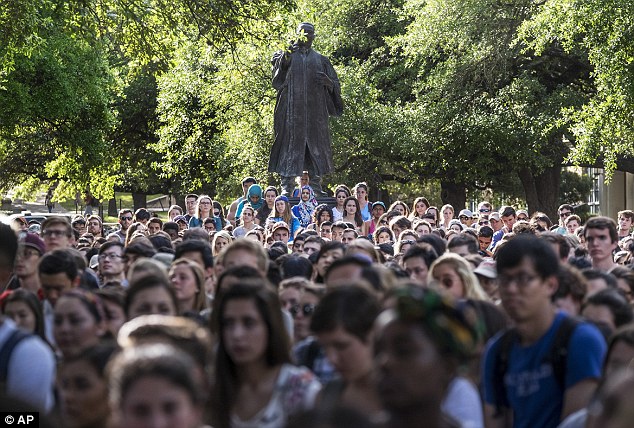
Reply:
x=111, y=263
x=95, y=226
x=125, y=220
x=523, y=382
x=485, y=207
x=466, y=217
x=57, y=233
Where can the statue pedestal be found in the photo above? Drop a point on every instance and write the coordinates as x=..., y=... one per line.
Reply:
x=328, y=200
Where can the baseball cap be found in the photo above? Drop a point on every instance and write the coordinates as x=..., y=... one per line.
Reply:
x=494, y=216
x=522, y=212
x=465, y=212
x=180, y=218
x=487, y=269
x=379, y=203
x=280, y=225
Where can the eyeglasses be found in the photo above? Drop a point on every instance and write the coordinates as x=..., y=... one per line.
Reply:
x=54, y=232
x=247, y=214
x=307, y=309
x=125, y=218
x=463, y=217
x=110, y=256
x=483, y=222
x=484, y=210
x=204, y=203
x=408, y=241
x=522, y=279
x=28, y=252
x=566, y=214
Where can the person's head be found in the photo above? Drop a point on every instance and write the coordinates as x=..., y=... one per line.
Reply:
x=58, y=273
x=24, y=308
x=325, y=230
x=111, y=259
x=341, y=193
x=125, y=218
x=204, y=208
x=399, y=224
x=196, y=251
x=608, y=307
x=29, y=252
x=246, y=183
x=270, y=193
x=598, y=280
x=244, y=252
x=378, y=209
x=281, y=208
x=422, y=227
x=417, y=260
x=360, y=191
x=625, y=281
x=94, y=225
x=564, y=211
x=620, y=350
x=154, y=225
x=527, y=275
x=313, y=244
x=83, y=387
x=382, y=235
x=346, y=269
x=281, y=232
x=625, y=219
x=351, y=208
x=363, y=247
x=190, y=203
x=463, y=245
x=155, y=385
x=150, y=294
x=79, y=321
x=508, y=216
x=348, y=236
x=248, y=324
x=343, y=323
x=57, y=233
x=328, y=253
x=571, y=291
x=453, y=274
x=221, y=239
x=419, y=207
x=447, y=212
x=254, y=195
x=188, y=281
x=572, y=223
x=321, y=214
x=437, y=338
x=601, y=238
x=172, y=229
x=113, y=299
x=399, y=206
x=173, y=211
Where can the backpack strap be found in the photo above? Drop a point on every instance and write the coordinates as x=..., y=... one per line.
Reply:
x=558, y=354
x=500, y=368
x=6, y=350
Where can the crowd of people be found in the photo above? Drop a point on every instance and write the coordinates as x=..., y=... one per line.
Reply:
x=360, y=314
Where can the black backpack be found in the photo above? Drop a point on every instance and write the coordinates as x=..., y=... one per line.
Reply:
x=556, y=356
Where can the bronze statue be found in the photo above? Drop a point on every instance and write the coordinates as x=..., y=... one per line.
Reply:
x=308, y=92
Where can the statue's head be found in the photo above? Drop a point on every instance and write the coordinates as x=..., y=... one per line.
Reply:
x=305, y=33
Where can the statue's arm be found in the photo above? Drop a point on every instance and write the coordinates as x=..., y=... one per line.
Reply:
x=280, y=62
x=335, y=90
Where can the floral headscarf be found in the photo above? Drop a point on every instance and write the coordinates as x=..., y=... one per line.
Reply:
x=304, y=210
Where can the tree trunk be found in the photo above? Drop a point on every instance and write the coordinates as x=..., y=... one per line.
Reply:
x=139, y=200
x=542, y=190
x=112, y=208
x=454, y=194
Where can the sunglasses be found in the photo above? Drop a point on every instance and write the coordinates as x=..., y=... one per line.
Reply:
x=484, y=210
x=125, y=218
x=483, y=223
x=566, y=214
x=307, y=309
x=463, y=217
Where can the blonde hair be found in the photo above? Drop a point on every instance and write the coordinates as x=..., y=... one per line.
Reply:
x=200, y=301
x=472, y=288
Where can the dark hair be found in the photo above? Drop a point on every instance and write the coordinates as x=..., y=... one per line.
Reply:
x=358, y=219
x=351, y=307
x=602, y=223
x=9, y=247
x=464, y=239
x=97, y=356
x=146, y=282
x=507, y=211
x=541, y=253
x=161, y=243
x=571, y=283
x=439, y=244
x=591, y=274
x=556, y=238
x=111, y=244
x=330, y=245
x=623, y=334
x=170, y=225
x=485, y=232
x=317, y=213
x=422, y=250
x=156, y=360
x=292, y=265
x=382, y=229
x=277, y=350
x=361, y=262
x=566, y=206
x=142, y=214
x=626, y=274
x=140, y=247
x=615, y=302
x=59, y=261
x=30, y=299
x=198, y=246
